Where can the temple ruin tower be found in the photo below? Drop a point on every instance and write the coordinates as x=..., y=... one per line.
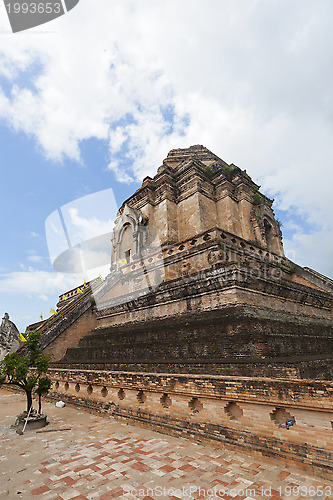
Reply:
x=194, y=191
x=9, y=337
x=203, y=327
x=198, y=278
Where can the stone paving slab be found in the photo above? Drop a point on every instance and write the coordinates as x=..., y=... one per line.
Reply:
x=102, y=458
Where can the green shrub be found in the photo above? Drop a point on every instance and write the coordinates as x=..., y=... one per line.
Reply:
x=257, y=199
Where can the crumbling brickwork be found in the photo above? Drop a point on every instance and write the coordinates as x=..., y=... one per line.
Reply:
x=242, y=413
x=71, y=336
x=9, y=337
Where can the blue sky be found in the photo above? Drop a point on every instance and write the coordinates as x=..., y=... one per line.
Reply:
x=96, y=99
x=29, y=195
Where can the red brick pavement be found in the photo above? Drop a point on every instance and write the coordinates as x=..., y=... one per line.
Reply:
x=100, y=458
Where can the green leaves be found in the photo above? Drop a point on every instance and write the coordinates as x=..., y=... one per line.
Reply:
x=41, y=364
x=31, y=382
x=14, y=368
x=33, y=347
x=256, y=199
x=43, y=385
x=27, y=372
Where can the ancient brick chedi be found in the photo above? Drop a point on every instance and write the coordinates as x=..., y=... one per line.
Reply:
x=199, y=282
x=203, y=327
x=194, y=191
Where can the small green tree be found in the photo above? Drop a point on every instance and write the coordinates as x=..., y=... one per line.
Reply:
x=28, y=372
x=43, y=387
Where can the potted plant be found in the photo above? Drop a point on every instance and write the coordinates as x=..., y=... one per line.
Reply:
x=28, y=371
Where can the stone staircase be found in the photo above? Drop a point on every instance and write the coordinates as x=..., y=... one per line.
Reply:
x=56, y=324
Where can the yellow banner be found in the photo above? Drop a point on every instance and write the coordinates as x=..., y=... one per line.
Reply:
x=22, y=338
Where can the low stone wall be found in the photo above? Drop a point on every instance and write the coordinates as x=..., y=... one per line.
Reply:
x=239, y=412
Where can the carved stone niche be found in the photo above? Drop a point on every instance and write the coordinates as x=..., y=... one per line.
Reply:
x=218, y=256
x=267, y=231
x=130, y=237
x=185, y=269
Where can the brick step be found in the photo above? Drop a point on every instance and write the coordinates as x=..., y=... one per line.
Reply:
x=320, y=369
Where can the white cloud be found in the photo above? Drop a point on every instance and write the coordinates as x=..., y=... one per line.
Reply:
x=88, y=227
x=43, y=297
x=312, y=250
x=250, y=80
x=35, y=258
x=37, y=283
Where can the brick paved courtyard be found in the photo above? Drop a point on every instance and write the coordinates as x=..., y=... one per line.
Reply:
x=102, y=458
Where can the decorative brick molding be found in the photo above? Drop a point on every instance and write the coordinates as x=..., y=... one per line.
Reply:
x=242, y=413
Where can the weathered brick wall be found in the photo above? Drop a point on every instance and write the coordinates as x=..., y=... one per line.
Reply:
x=286, y=368
x=210, y=340
x=211, y=289
x=189, y=195
x=239, y=412
x=71, y=335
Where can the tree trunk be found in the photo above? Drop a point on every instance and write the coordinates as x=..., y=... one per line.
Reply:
x=39, y=404
x=29, y=400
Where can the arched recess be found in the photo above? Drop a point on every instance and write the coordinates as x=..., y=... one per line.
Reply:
x=128, y=238
x=266, y=229
x=126, y=243
x=272, y=236
x=269, y=236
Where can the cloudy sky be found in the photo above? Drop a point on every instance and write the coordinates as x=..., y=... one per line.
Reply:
x=95, y=99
